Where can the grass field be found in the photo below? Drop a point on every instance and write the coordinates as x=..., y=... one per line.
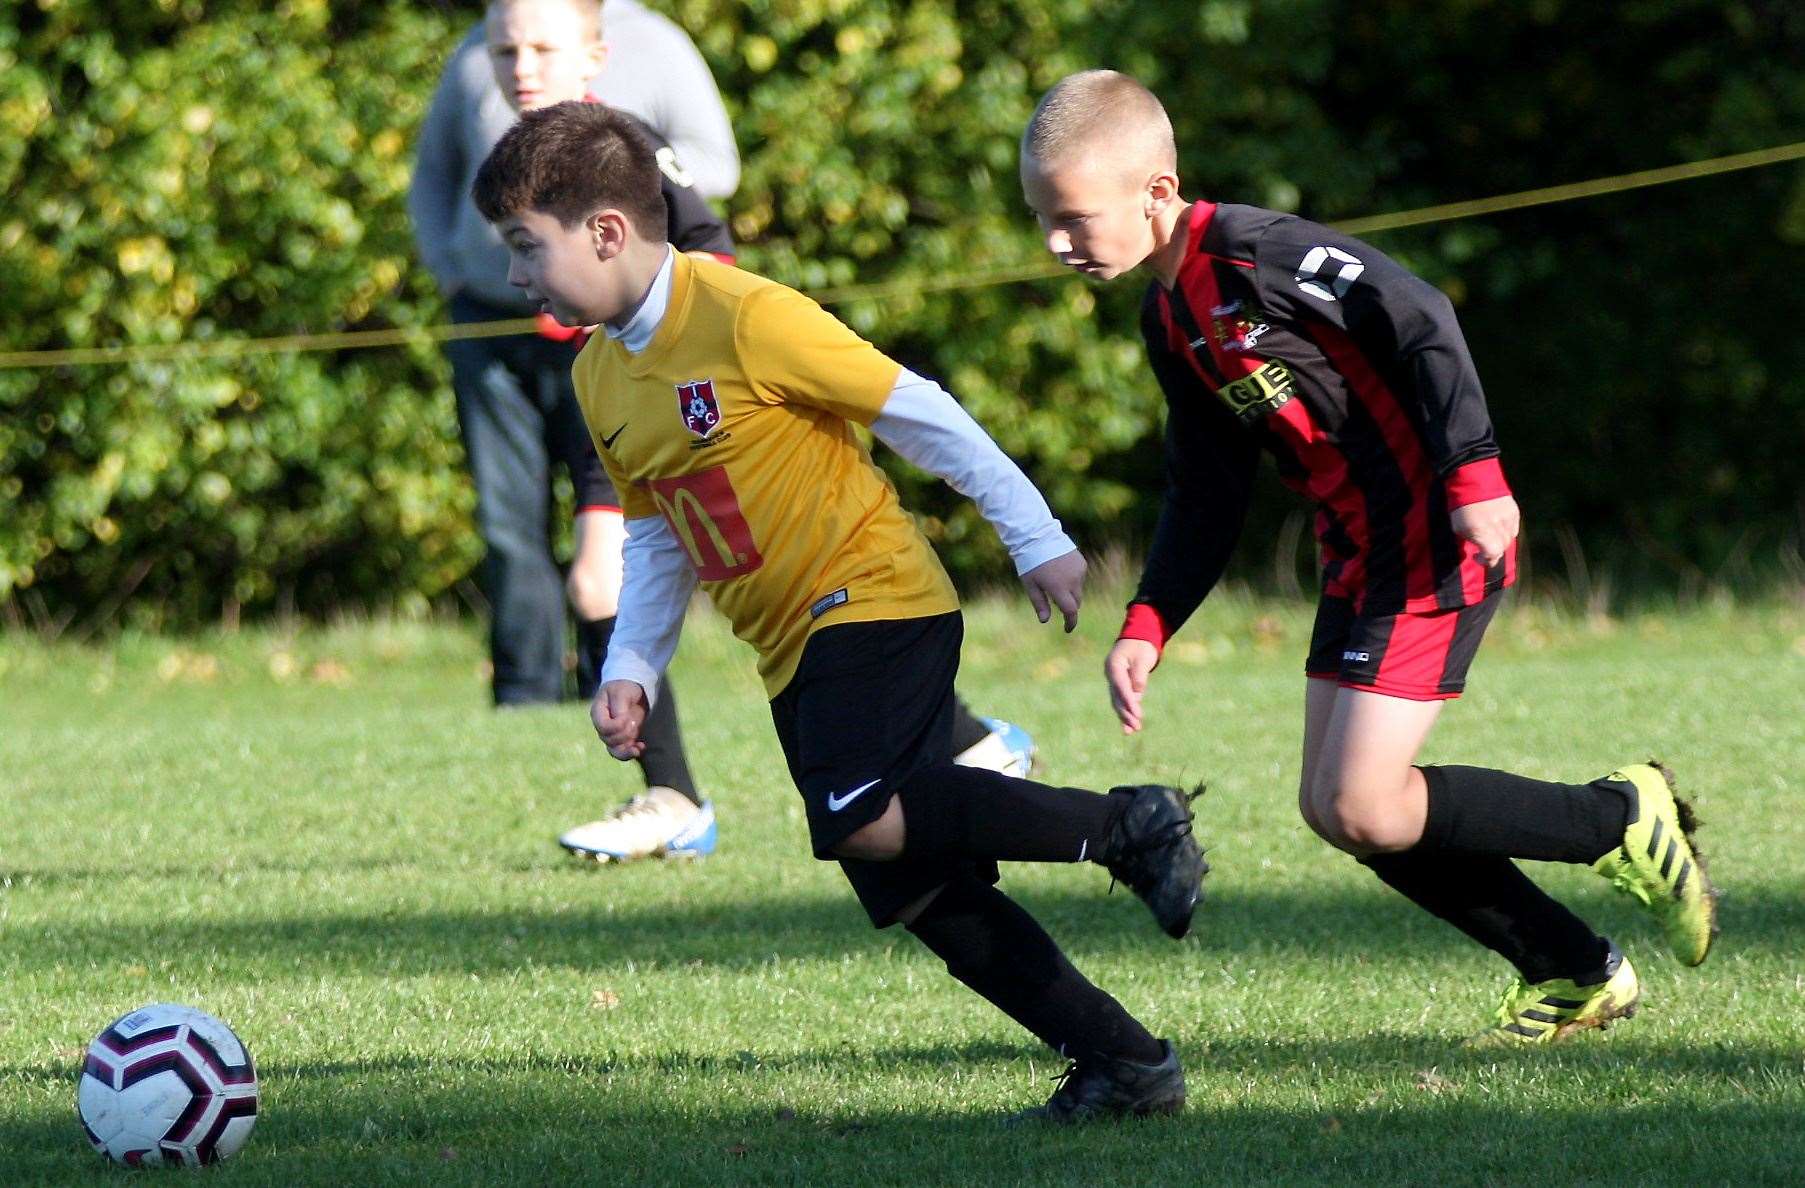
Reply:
x=328, y=840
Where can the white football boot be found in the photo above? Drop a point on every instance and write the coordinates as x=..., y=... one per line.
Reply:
x=658, y=823
x=1007, y=749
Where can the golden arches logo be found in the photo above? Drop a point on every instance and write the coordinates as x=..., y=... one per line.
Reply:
x=679, y=511
x=705, y=514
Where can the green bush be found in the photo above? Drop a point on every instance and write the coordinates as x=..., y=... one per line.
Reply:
x=182, y=171
x=187, y=179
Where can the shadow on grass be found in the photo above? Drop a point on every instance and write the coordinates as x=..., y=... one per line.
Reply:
x=761, y=928
x=1585, y=1112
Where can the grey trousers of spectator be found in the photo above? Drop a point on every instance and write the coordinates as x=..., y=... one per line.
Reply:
x=518, y=414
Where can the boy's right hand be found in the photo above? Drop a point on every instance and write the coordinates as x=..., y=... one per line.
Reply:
x=1127, y=668
x=619, y=710
x=1057, y=583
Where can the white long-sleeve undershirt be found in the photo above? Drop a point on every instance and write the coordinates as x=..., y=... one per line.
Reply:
x=921, y=421
x=657, y=578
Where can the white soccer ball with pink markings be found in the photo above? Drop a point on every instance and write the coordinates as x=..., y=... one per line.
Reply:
x=167, y=1085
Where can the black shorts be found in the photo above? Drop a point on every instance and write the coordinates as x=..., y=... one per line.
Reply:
x=870, y=705
x=1422, y=655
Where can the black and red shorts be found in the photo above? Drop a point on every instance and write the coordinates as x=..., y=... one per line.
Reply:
x=870, y=705
x=1422, y=655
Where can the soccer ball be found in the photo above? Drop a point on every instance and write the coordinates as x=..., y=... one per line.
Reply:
x=167, y=1085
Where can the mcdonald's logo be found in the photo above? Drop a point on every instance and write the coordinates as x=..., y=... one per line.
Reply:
x=705, y=514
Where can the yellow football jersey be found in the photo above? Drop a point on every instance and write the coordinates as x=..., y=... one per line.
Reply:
x=736, y=425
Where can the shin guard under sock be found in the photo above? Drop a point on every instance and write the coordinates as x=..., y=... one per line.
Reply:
x=1487, y=897
x=997, y=949
x=968, y=812
x=1477, y=810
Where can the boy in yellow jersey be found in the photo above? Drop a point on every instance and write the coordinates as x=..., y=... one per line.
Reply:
x=724, y=407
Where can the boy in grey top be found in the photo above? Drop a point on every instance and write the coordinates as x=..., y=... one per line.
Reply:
x=653, y=71
x=516, y=410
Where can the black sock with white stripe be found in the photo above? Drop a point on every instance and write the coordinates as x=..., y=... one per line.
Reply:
x=1478, y=810
x=997, y=949
x=968, y=812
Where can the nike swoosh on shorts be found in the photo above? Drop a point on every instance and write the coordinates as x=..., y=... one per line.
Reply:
x=836, y=803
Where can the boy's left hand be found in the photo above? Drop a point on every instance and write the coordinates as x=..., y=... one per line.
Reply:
x=1060, y=583
x=1491, y=524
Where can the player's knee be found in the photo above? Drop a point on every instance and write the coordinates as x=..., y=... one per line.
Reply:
x=1306, y=808
x=1314, y=819
x=592, y=595
x=1365, y=825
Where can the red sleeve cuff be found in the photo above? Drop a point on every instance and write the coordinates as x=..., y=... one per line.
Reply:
x=1476, y=482
x=1143, y=622
x=596, y=507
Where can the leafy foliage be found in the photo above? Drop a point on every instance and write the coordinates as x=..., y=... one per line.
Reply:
x=241, y=175
x=187, y=171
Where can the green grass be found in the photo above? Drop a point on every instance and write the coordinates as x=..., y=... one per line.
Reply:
x=329, y=840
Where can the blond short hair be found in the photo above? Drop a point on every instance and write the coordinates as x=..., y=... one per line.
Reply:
x=589, y=10
x=1101, y=115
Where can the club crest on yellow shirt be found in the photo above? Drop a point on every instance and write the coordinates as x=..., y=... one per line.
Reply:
x=701, y=411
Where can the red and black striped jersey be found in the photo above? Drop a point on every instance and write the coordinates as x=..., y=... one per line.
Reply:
x=1281, y=334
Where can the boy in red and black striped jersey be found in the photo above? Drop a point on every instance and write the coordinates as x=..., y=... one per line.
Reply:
x=1268, y=332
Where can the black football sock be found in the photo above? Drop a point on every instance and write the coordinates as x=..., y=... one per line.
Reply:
x=664, y=762
x=968, y=812
x=592, y=648
x=995, y=947
x=1478, y=810
x=1487, y=897
x=968, y=731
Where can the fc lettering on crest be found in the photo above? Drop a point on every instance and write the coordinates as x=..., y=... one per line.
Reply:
x=700, y=410
x=704, y=512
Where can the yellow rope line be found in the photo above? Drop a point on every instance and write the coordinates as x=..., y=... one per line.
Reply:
x=1007, y=274
x=225, y=348
x=1586, y=189
x=1002, y=275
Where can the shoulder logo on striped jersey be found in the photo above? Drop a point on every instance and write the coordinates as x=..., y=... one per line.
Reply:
x=1327, y=273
